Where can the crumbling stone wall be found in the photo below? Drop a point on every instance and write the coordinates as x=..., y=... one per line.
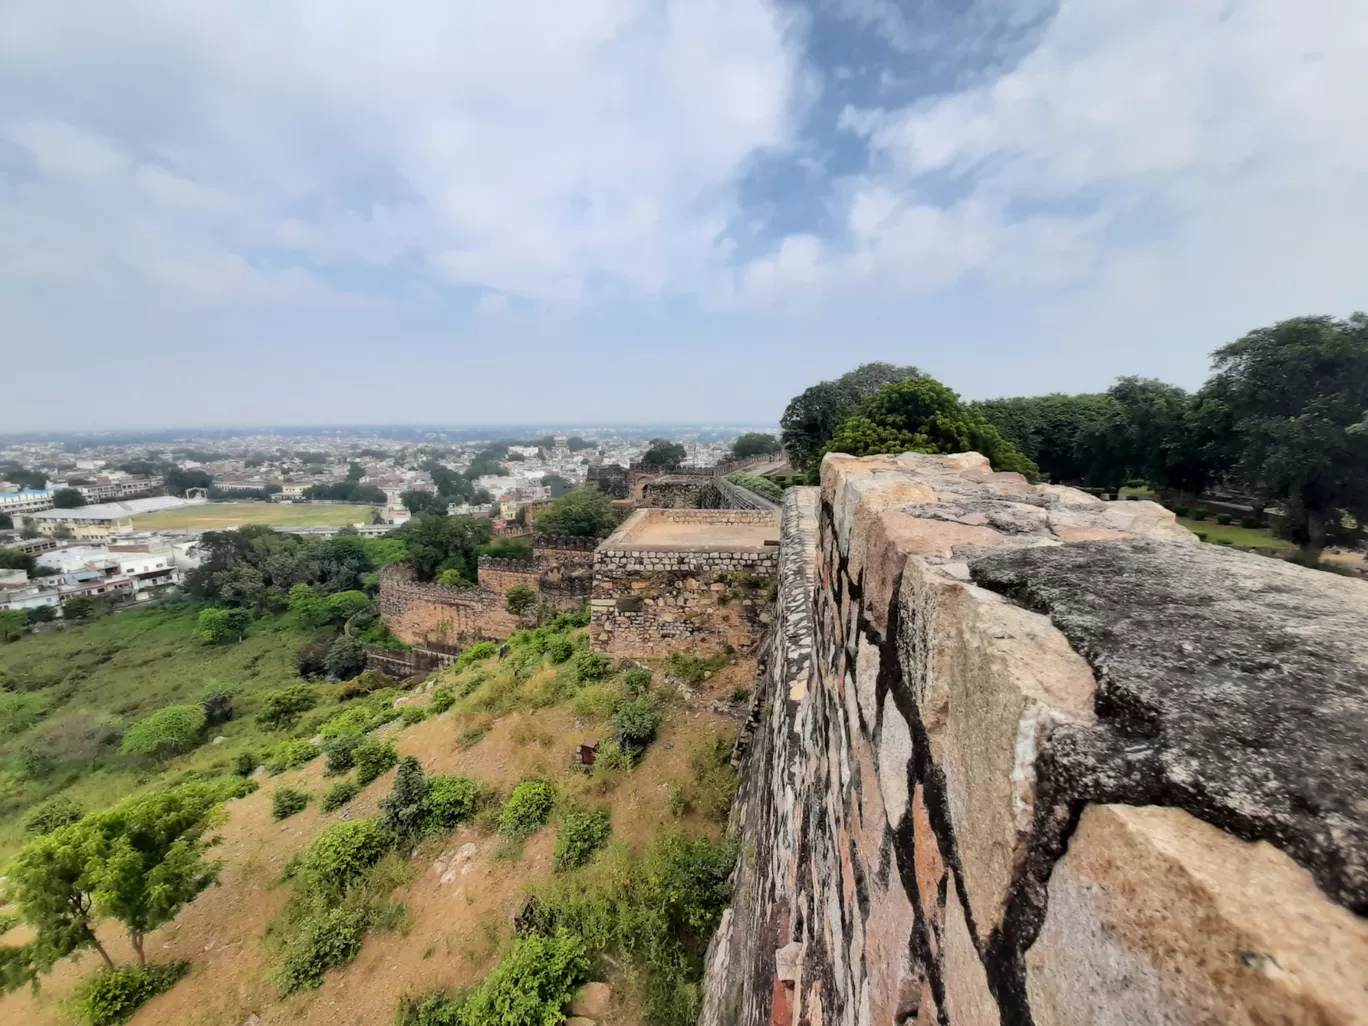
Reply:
x=424, y=614
x=650, y=600
x=1024, y=757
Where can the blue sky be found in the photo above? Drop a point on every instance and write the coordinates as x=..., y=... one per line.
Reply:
x=313, y=211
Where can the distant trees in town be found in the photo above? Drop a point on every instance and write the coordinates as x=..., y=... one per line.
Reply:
x=18, y=474
x=812, y=417
x=177, y=481
x=13, y=559
x=438, y=543
x=67, y=498
x=583, y=512
x=418, y=502
x=6, y=522
x=664, y=454
x=346, y=491
x=755, y=443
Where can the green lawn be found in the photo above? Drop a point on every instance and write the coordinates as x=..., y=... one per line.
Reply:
x=219, y=516
x=71, y=693
x=1245, y=537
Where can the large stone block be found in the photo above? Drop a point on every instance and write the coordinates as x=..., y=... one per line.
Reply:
x=991, y=681
x=1155, y=916
x=968, y=1001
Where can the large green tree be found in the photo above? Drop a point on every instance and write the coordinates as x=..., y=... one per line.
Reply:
x=418, y=501
x=1295, y=396
x=1050, y=429
x=437, y=543
x=664, y=454
x=67, y=498
x=583, y=512
x=922, y=415
x=755, y=443
x=812, y=417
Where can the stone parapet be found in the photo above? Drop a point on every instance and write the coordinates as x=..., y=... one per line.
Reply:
x=1022, y=756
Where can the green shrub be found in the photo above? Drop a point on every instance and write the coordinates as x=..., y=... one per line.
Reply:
x=693, y=669
x=1200, y=514
x=405, y=807
x=527, y=809
x=413, y=714
x=114, y=995
x=442, y=700
x=339, y=795
x=1224, y=541
x=560, y=649
x=637, y=682
x=286, y=801
x=341, y=854
x=288, y=755
x=596, y=702
x=453, y=800
x=1223, y=518
x=346, y=658
x=246, y=763
x=635, y=722
x=579, y=838
x=1250, y=523
x=590, y=668
x=222, y=626
x=531, y=985
x=351, y=722
x=340, y=753
x=52, y=814
x=434, y=1010
x=1201, y=535
x=1180, y=511
x=761, y=485
x=283, y=708
x=373, y=759
x=612, y=756
x=326, y=938
x=477, y=652
x=173, y=730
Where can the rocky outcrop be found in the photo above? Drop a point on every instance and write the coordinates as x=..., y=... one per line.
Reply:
x=1023, y=756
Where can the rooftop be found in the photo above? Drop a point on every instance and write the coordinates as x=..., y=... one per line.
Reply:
x=698, y=529
x=114, y=510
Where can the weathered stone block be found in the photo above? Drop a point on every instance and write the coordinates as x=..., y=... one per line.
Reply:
x=1158, y=916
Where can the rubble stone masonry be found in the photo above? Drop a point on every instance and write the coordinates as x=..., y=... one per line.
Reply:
x=1021, y=756
x=652, y=597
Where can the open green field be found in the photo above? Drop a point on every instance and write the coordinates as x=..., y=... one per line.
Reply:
x=218, y=516
x=1245, y=537
x=68, y=696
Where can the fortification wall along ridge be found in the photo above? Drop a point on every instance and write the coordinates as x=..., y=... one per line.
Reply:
x=419, y=613
x=1024, y=757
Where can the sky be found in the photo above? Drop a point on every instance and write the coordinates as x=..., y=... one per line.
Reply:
x=235, y=212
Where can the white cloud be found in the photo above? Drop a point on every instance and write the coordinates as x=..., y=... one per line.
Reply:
x=528, y=146
x=1189, y=137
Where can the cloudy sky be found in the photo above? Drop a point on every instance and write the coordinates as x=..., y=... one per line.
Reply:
x=221, y=212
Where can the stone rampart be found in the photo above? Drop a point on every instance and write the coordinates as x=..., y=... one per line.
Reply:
x=419, y=613
x=1021, y=756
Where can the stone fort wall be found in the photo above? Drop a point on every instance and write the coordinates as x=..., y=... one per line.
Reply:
x=419, y=613
x=1023, y=757
x=650, y=601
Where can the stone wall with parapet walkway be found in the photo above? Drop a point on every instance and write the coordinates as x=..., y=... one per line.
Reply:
x=1025, y=757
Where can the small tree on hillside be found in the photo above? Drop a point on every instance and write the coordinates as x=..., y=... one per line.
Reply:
x=12, y=624
x=405, y=810
x=519, y=599
x=222, y=626
x=167, y=732
x=346, y=658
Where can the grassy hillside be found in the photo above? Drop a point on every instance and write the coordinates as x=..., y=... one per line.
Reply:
x=626, y=858
x=221, y=516
x=69, y=695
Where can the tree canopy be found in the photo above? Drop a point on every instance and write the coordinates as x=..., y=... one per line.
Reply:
x=174, y=730
x=255, y=567
x=437, y=543
x=812, y=417
x=67, y=498
x=417, y=502
x=583, y=512
x=755, y=443
x=664, y=454
x=922, y=415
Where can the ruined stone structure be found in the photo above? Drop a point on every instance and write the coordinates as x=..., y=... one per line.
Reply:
x=684, y=580
x=1020, y=756
x=429, y=614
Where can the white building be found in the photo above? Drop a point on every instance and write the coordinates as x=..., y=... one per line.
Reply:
x=104, y=520
x=30, y=500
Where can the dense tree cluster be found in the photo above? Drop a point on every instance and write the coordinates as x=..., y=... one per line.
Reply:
x=755, y=443
x=347, y=491
x=812, y=417
x=1282, y=419
x=439, y=543
x=583, y=512
x=255, y=567
x=664, y=454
